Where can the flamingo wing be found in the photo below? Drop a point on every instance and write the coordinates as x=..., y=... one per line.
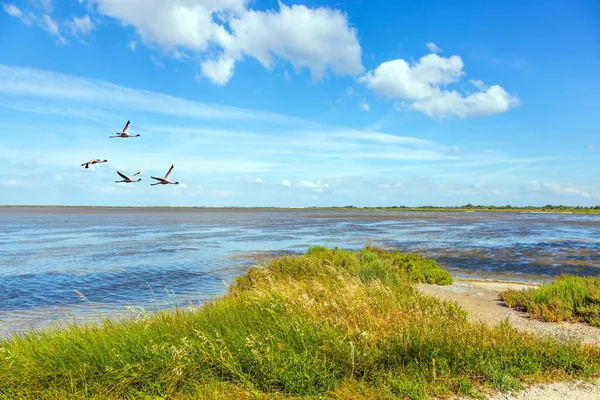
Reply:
x=158, y=179
x=169, y=173
x=137, y=173
x=126, y=129
x=121, y=175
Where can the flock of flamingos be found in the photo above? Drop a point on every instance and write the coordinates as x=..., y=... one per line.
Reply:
x=129, y=179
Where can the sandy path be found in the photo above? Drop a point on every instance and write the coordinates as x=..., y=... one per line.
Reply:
x=481, y=302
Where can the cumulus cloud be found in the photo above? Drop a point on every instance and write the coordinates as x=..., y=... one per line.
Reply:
x=452, y=104
x=82, y=26
x=399, y=79
x=133, y=45
x=317, y=186
x=433, y=48
x=314, y=38
x=286, y=183
x=365, y=106
x=218, y=71
x=419, y=86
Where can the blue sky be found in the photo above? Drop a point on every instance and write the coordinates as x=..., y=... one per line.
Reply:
x=309, y=103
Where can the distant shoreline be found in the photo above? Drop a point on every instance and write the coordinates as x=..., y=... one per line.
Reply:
x=530, y=210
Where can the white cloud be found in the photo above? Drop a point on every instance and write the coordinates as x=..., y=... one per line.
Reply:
x=286, y=183
x=314, y=38
x=365, y=106
x=39, y=84
x=478, y=84
x=494, y=100
x=133, y=45
x=259, y=180
x=566, y=190
x=433, y=48
x=50, y=26
x=157, y=63
x=398, y=79
x=349, y=91
x=46, y=5
x=420, y=83
x=223, y=193
x=316, y=186
x=218, y=71
x=14, y=183
x=82, y=26
x=14, y=11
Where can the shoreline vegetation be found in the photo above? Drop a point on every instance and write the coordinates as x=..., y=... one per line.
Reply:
x=559, y=209
x=326, y=324
x=569, y=298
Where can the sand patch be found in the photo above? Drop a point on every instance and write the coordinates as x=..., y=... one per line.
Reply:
x=480, y=299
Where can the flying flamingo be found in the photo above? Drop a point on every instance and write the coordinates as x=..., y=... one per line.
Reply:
x=125, y=133
x=128, y=179
x=165, y=180
x=92, y=162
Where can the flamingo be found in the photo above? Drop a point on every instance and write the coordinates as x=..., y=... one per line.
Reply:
x=128, y=179
x=165, y=180
x=125, y=133
x=92, y=162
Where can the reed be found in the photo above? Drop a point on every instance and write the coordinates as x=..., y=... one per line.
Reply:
x=327, y=324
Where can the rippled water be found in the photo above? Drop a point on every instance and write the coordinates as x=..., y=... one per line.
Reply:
x=155, y=258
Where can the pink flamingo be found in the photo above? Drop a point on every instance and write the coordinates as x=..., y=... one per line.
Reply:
x=92, y=162
x=127, y=179
x=125, y=133
x=165, y=180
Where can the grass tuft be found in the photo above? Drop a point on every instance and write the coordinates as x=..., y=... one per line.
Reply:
x=569, y=298
x=328, y=324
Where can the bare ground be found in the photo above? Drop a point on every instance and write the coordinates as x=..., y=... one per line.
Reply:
x=480, y=299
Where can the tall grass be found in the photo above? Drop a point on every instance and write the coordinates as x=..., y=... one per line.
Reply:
x=569, y=298
x=328, y=324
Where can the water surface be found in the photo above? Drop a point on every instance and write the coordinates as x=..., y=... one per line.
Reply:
x=58, y=264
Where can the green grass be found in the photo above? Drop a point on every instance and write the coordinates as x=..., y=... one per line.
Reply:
x=327, y=324
x=569, y=298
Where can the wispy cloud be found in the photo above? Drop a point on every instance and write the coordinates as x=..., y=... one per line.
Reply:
x=433, y=47
x=289, y=161
x=26, y=17
x=39, y=84
x=157, y=63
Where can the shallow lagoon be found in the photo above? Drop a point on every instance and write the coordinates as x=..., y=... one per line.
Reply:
x=154, y=258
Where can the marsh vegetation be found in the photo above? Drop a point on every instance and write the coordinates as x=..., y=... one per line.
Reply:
x=326, y=324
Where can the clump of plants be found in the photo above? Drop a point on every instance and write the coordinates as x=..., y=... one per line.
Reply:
x=569, y=298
